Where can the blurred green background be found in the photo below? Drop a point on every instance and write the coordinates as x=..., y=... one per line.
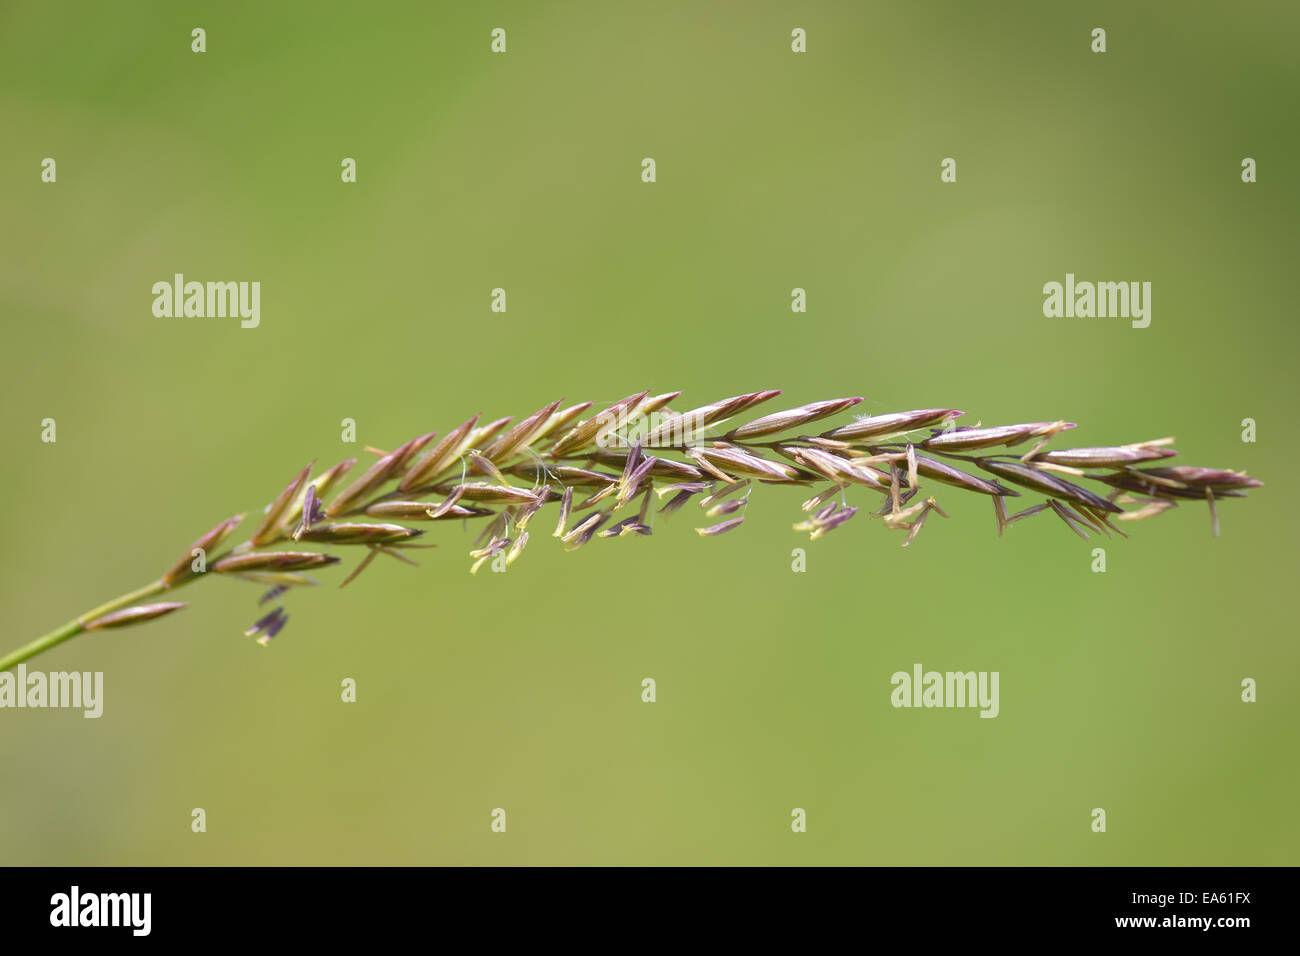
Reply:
x=775, y=170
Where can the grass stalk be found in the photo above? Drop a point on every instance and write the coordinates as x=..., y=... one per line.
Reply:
x=78, y=625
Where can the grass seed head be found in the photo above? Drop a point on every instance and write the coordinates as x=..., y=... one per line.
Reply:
x=132, y=615
x=184, y=566
x=877, y=427
x=605, y=456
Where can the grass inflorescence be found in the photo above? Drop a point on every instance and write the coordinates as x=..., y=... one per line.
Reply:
x=610, y=474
